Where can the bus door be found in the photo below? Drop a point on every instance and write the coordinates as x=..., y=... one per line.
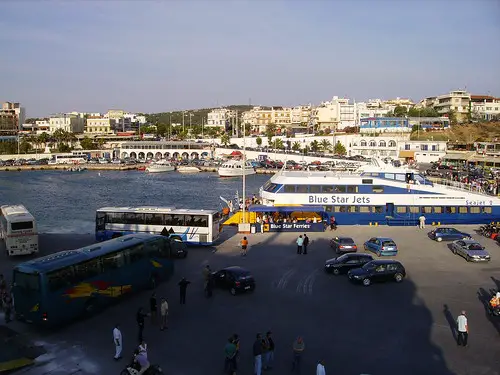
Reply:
x=26, y=290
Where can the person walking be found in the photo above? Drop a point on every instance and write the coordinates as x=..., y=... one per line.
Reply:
x=333, y=223
x=244, y=246
x=300, y=243
x=265, y=353
x=230, y=357
x=143, y=348
x=207, y=273
x=270, y=353
x=257, y=354
x=320, y=368
x=305, y=243
x=183, y=284
x=140, y=322
x=298, y=350
x=163, y=314
x=117, y=338
x=421, y=221
x=153, y=305
x=463, y=329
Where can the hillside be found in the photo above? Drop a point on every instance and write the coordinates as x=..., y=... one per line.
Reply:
x=469, y=133
x=196, y=118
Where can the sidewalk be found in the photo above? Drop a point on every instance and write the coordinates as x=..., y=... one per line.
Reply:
x=16, y=349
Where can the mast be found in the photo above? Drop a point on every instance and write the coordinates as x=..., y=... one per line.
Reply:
x=243, y=167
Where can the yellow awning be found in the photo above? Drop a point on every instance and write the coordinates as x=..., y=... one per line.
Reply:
x=406, y=154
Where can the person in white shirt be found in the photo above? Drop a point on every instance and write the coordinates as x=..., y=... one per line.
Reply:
x=421, y=221
x=117, y=338
x=320, y=369
x=164, y=314
x=143, y=348
x=463, y=330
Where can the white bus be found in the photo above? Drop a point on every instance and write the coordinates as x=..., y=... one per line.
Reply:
x=69, y=158
x=18, y=230
x=200, y=227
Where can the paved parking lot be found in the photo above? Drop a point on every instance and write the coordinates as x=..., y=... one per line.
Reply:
x=382, y=329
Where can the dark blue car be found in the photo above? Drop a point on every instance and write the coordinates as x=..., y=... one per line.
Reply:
x=448, y=234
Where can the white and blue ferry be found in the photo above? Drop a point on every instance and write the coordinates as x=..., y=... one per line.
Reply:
x=381, y=193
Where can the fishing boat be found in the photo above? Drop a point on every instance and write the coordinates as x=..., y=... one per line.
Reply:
x=188, y=169
x=160, y=166
x=234, y=168
x=381, y=193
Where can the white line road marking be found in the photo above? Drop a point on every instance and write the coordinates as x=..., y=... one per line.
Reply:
x=282, y=283
x=308, y=283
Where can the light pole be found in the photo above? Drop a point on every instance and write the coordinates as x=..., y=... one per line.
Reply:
x=243, y=170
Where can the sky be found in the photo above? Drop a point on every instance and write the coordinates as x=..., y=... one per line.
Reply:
x=159, y=56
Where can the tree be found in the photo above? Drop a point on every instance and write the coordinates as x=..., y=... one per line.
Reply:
x=161, y=129
x=100, y=143
x=296, y=146
x=270, y=132
x=224, y=139
x=278, y=144
x=339, y=149
x=87, y=143
x=452, y=115
x=24, y=146
x=258, y=140
x=400, y=111
x=423, y=112
x=44, y=138
x=63, y=147
x=325, y=145
x=314, y=146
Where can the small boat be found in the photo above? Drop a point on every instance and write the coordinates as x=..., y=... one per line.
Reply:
x=160, y=166
x=141, y=168
x=76, y=169
x=188, y=169
x=234, y=168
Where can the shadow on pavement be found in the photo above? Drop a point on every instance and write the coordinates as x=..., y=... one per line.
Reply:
x=451, y=321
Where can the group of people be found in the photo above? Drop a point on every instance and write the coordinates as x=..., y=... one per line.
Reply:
x=302, y=243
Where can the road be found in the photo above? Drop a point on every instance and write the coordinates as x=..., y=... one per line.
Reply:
x=382, y=329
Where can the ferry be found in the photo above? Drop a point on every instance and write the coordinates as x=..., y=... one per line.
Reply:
x=381, y=194
x=234, y=168
x=160, y=166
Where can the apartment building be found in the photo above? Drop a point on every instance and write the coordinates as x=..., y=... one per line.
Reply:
x=259, y=117
x=372, y=108
x=219, y=117
x=12, y=116
x=485, y=107
x=97, y=125
x=67, y=122
x=422, y=151
x=398, y=102
x=336, y=114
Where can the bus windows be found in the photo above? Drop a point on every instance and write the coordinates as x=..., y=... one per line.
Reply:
x=133, y=218
x=26, y=281
x=87, y=270
x=114, y=217
x=61, y=278
x=159, y=248
x=100, y=222
x=153, y=219
x=22, y=225
x=113, y=261
x=135, y=253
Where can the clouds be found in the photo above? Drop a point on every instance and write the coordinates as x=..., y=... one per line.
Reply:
x=156, y=56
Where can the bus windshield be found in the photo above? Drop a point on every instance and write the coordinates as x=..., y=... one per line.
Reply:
x=22, y=225
x=27, y=281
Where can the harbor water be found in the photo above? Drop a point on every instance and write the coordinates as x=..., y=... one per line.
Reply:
x=65, y=202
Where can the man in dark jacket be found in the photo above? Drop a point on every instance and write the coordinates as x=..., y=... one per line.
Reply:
x=257, y=354
x=183, y=284
x=305, y=243
x=140, y=322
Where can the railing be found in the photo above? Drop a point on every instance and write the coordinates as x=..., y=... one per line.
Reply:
x=460, y=186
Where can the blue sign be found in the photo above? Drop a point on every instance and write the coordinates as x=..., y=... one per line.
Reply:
x=294, y=227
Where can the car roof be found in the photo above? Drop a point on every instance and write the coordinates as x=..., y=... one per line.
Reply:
x=470, y=242
x=363, y=255
x=236, y=269
x=385, y=261
x=384, y=239
x=446, y=228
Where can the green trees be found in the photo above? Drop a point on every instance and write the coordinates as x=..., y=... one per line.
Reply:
x=258, y=140
x=270, y=132
x=87, y=143
x=278, y=144
x=325, y=145
x=314, y=146
x=224, y=139
x=339, y=149
x=296, y=146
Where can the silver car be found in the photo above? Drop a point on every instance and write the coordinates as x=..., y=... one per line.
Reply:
x=470, y=250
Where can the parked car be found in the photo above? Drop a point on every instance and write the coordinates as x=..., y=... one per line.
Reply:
x=346, y=262
x=179, y=247
x=448, y=234
x=235, y=279
x=378, y=271
x=470, y=250
x=381, y=246
x=343, y=245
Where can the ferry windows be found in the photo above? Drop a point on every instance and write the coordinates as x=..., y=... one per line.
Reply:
x=153, y=219
x=438, y=210
x=340, y=189
x=486, y=210
x=352, y=189
x=378, y=209
x=351, y=209
x=462, y=210
x=303, y=189
x=327, y=189
x=475, y=210
x=401, y=177
x=289, y=188
x=270, y=187
x=426, y=210
x=450, y=210
x=87, y=270
x=342, y=209
x=337, y=209
x=364, y=209
x=112, y=261
x=389, y=176
x=329, y=208
x=414, y=209
x=377, y=189
x=401, y=209
x=367, y=181
x=315, y=189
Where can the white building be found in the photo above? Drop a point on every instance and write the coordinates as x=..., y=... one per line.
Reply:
x=219, y=117
x=67, y=122
x=422, y=151
x=98, y=126
x=12, y=117
x=485, y=107
x=370, y=109
x=455, y=101
x=335, y=114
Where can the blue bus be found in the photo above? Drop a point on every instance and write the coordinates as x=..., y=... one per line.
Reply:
x=60, y=287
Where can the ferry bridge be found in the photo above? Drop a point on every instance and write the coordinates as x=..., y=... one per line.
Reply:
x=165, y=150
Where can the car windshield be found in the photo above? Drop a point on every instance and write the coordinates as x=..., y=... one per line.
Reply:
x=369, y=266
x=475, y=246
x=388, y=243
x=343, y=258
